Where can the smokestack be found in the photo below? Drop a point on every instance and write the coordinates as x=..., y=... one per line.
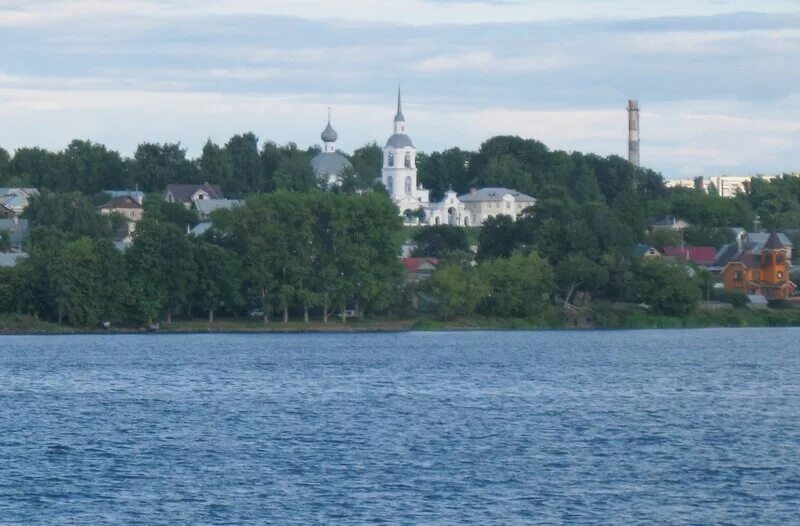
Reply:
x=633, y=132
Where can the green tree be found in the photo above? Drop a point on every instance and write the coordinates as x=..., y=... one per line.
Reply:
x=439, y=241
x=242, y=151
x=157, y=165
x=518, y=286
x=218, y=278
x=577, y=272
x=216, y=166
x=668, y=288
x=457, y=291
x=163, y=269
x=5, y=166
x=498, y=238
x=73, y=214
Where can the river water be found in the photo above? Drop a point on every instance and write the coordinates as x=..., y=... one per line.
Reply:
x=679, y=427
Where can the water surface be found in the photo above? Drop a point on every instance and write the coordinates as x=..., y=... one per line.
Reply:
x=681, y=427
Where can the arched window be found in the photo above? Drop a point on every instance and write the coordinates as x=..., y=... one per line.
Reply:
x=408, y=159
x=408, y=185
x=391, y=158
x=390, y=185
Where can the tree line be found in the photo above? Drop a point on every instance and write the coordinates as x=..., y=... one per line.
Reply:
x=306, y=254
x=292, y=248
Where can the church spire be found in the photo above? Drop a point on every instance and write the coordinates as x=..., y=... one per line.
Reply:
x=399, y=117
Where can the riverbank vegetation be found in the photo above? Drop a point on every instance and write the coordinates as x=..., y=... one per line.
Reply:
x=294, y=254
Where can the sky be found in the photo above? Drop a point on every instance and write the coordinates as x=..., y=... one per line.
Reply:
x=718, y=80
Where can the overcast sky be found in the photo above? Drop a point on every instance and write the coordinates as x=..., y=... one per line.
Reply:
x=718, y=80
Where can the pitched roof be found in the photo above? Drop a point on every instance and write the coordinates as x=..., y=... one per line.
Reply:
x=699, y=255
x=774, y=243
x=494, y=194
x=201, y=229
x=184, y=192
x=137, y=195
x=124, y=201
x=414, y=264
x=206, y=206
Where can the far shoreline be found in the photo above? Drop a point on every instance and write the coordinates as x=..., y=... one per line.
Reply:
x=637, y=321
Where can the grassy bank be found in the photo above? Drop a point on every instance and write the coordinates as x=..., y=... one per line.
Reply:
x=600, y=319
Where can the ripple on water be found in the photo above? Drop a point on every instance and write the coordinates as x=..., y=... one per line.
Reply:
x=696, y=427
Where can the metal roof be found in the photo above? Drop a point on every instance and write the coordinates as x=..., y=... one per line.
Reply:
x=399, y=140
x=329, y=134
x=206, y=206
x=184, y=192
x=494, y=194
x=329, y=163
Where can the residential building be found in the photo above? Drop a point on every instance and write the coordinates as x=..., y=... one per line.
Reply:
x=15, y=200
x=669, y=223
x=753, y=243
x=205, y=207
x=187, y=194
x=10, y=259
x=646, y=252
x=726, y=185
x=136, y=195
x=17, y=230
x=125, y=206
x=419, y=269
x=492, y=202
x=765, y=272
x=200, y=229
x=700, y=256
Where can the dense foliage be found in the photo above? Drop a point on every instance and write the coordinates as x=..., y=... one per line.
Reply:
x=295, y=251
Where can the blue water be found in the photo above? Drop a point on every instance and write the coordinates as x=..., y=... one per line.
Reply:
x=679, y=427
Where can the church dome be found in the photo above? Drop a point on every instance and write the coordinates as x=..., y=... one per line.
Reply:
x=330, y=164
x=399, y=140
x=329, y=134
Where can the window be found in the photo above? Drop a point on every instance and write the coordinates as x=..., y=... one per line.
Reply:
x=390, y=185
x=408, y=185
x=391, y=158
x=508, y=206
x=780, y=275
x=756, y=275
x=737, y=276
x=408, y=160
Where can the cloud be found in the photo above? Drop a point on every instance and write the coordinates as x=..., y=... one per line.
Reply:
x=718, y=92
x=487, y=62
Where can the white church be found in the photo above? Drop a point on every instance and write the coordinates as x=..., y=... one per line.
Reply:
x=399, y=177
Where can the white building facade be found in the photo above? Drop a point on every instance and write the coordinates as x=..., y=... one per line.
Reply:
x=399, y=172
x=399, y=177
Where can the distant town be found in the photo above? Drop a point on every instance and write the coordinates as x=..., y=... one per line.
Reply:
x=513, y=231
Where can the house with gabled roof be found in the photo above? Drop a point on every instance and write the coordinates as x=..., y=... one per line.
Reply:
x=186, y=194
x=700, y=256
x=762, y=269
x=484, y=203
x=126, y=206
x=419, y=269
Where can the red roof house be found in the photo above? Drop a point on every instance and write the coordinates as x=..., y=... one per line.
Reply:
x=419, y=268
x=702, y=256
